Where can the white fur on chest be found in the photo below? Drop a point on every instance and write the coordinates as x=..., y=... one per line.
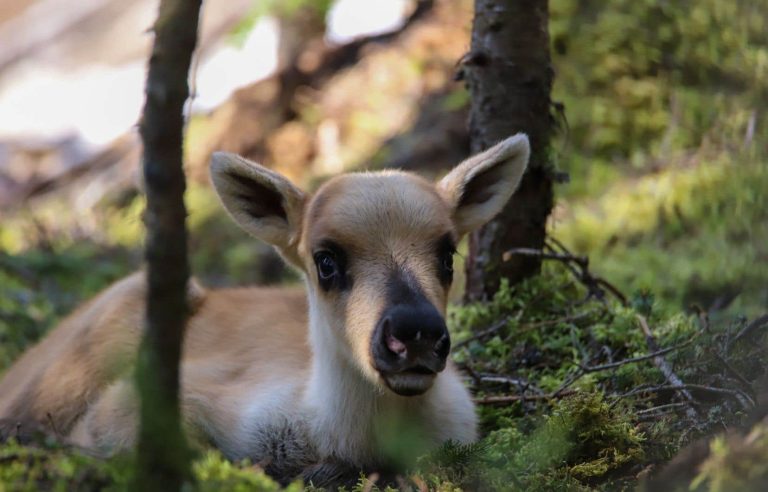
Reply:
x=266, y=413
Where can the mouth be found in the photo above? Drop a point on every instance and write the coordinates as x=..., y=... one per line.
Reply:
x=410, y=382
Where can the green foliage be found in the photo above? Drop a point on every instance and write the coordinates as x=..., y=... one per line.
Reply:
x=665, y=145
x=550, y=339
x=643, y=77
x=25, y=468
x=38, y=287
x=214, y=473
x=52, y=467
x=583, y=438
x=662, y=141
x=690, y=235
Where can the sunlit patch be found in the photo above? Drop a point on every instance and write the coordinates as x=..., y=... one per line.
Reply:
x=350, y=19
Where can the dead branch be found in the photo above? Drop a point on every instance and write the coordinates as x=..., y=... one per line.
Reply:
x=592, y=281
x=494, y=328
x=563, y=389
x=578, y=265
x=658, y=408
x=506, y=399
x=754, y=325
x=641, y=358
x=666, y=369
x=502, y=380
x=730, y=369
x=484, y=333
x=537, y=253
x=738, y=395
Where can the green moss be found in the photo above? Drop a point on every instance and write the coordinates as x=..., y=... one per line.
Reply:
x=670, y=231
x=38, y=287
x=51, y=467
x=24, y=468
x=214, y=473
x=581, y=440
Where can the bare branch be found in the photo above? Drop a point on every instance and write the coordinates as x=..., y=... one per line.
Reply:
x=506, y=399
x=754, y=325
x=666, y=369
x=619, y=363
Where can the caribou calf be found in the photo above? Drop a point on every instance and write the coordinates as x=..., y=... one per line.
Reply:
x=352, y=374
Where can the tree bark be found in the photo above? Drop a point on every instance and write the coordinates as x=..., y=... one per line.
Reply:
x=509, y=77
x=162, y=456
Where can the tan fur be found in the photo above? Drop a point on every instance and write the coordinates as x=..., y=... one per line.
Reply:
x=275, y=374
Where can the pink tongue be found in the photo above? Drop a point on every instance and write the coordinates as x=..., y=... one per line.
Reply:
x=395, y=345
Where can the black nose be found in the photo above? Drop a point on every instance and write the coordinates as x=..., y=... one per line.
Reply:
x=411, y=337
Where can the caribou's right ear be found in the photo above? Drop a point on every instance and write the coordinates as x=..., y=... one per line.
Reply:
x=478, y=188
x=261, y=201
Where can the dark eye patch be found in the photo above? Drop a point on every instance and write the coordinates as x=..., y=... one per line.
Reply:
x=446, y=248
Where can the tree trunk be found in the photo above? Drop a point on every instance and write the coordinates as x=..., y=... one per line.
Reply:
x=162, y=455
x=509, y=77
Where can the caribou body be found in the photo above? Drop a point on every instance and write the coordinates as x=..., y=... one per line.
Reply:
x=315, y=381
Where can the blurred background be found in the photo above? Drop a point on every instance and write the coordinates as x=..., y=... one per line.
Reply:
x=661, y=109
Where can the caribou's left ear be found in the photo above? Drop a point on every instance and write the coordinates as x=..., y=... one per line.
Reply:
x=261, y=201
x=478, y=188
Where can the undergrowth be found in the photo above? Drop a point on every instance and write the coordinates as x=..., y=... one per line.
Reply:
x=664, y=140
x=551, y=418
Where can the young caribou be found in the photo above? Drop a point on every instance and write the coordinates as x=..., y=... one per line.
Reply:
x=315, y=383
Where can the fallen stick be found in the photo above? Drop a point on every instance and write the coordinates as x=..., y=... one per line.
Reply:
x=666, y=369
x=640, y=358
x=503, y=399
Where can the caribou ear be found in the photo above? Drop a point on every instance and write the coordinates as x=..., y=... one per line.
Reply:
x=478, y=188
x=262, y=202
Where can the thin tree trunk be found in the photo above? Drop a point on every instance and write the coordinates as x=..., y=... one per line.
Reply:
x=509, y=76
x=162, y=455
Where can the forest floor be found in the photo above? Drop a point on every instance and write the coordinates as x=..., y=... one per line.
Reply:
x=641, y=343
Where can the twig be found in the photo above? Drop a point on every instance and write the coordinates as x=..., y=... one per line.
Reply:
x=579, y=260
x=641, y=358
x=666, y=369
x=712, y=389
x=730, y=369
x=482, y=334
x=550, y=322
x=503, y=380
x=522, y=385
x=660, y=407
x=562, y=390
x=591, y=281
x=754, y=325
x=578, y=265
x=504, y=399
x=684, y=387
x=522, y=329
x=472, y=374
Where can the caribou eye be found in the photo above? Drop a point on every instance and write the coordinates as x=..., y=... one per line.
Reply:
x=326, y=266
x=446, y=250
x=448, y=262
x=330, y=269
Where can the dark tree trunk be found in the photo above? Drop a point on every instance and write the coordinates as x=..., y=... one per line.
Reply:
x=162, y=455
x=509, y=76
